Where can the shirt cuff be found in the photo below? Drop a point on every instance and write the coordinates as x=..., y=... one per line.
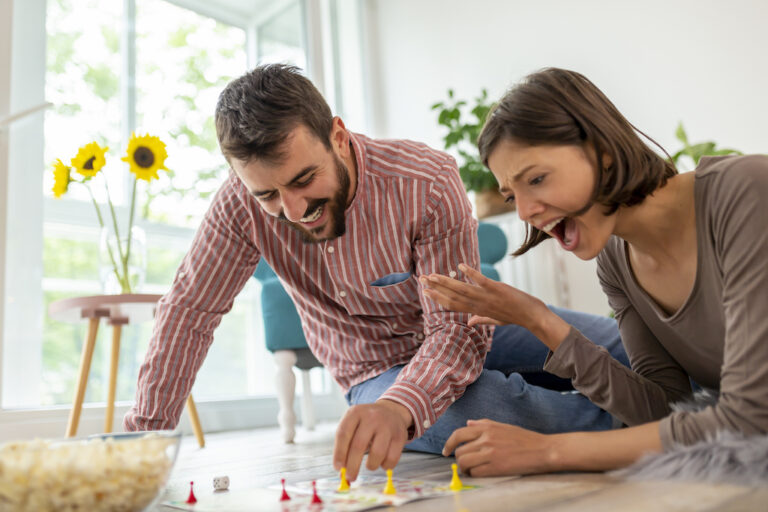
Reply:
x=418, y=403
x=665, y=433
x=560, y=361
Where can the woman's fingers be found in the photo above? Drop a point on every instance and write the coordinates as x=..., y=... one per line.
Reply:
x=483, y=320
x=459, y=436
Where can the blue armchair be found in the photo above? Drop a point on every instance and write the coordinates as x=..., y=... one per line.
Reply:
x=285, y=338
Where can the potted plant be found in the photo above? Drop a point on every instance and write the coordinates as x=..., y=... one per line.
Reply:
x=464, y=122
x=698, y=150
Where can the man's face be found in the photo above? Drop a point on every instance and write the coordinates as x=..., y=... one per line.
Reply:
x=308, y=189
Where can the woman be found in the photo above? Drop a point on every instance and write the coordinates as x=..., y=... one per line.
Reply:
x=681, y=257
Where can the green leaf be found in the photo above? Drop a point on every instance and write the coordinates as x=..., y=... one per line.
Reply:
x=680, y=134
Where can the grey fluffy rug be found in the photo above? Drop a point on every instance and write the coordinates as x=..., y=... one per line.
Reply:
x=725, y=458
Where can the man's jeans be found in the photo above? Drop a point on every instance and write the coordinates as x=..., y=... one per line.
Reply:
x=505, y=390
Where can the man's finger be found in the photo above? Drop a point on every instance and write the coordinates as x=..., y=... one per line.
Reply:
x=345, y=432
x=357, y=448
x=459, y=436
x=378, y=451
x=394, y=452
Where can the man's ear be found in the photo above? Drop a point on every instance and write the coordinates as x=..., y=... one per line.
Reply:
x=339, y=138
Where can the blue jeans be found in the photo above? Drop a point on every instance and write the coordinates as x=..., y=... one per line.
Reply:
x=505, y=392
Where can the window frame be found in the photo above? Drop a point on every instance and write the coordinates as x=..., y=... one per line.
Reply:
x=22, y=82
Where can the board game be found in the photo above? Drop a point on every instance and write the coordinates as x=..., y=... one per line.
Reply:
x=364, y=494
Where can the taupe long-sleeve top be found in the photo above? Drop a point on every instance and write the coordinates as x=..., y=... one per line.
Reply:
x=719, y=337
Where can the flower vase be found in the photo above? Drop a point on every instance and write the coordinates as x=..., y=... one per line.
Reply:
x=118, y=276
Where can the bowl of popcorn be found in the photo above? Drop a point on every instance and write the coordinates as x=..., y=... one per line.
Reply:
x=108, y=472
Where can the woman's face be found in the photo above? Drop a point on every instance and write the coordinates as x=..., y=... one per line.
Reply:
x=549, y=184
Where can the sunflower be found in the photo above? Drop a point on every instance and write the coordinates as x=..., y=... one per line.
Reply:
x=146, y=154
x=61, y=178
x=89, y=159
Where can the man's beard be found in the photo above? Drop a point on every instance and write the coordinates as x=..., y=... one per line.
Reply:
x=335, y=206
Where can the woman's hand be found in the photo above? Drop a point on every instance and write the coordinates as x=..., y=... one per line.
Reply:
x=489, y=301
x=488, y=448
x=495, y=303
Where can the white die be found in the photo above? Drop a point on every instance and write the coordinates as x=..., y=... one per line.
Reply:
x=221, y=483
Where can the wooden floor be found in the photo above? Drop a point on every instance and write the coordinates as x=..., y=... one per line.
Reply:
x=259, y=459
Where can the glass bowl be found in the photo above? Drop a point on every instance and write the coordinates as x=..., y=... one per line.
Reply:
x=106, y=472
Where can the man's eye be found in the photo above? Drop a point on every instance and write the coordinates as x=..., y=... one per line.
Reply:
x=266, y=197
x=306, y=181
x=537, y=180
x=510, y=199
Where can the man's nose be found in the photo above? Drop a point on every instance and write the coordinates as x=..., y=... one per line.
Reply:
x=294, y=207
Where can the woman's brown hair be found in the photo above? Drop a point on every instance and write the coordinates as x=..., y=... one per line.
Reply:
x=560, y=107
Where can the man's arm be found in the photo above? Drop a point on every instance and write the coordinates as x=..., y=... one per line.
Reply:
x=217, y=266
x=452, y=354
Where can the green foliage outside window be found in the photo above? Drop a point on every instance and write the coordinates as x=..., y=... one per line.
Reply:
x=197, y=56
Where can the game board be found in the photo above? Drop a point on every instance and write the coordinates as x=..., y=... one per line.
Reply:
x=364, y=494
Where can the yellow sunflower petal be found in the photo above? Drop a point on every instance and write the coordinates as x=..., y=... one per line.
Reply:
x=61, y=178
x=145, y=155
x=90, y=159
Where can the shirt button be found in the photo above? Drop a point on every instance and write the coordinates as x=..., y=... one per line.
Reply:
x=420, y=336
x=342, y=294
x=330, y=249
x=426, y=423
x=394, y=325
x=452, y=273
x=181, y=274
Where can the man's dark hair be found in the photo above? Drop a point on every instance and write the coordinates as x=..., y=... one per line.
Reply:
x=256, y=112
x=560, y=107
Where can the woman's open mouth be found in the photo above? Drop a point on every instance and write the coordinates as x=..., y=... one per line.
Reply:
x=565, y=231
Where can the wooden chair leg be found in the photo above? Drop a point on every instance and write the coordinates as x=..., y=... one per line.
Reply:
x=116, y=332
x=286, y=389
x=82, y=376
x=307, y=409
x=195, y=420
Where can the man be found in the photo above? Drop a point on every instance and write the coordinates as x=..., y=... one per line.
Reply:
x=349, y=224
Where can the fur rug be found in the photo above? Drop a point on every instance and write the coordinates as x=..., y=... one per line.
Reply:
x=725, y=458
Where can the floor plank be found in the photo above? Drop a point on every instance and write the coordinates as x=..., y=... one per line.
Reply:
x=257, y=459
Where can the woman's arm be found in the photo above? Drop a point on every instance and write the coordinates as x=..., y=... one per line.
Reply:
x=488, y=448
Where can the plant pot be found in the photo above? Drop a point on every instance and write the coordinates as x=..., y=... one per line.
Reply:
x=490, y=202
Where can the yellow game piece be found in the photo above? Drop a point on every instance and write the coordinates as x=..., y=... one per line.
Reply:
x=344, y=484
x=389, y=488
x=456, y=484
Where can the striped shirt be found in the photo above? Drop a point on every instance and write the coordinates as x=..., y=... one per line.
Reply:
x=409, y=217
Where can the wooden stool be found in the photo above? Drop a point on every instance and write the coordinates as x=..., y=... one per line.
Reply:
x=118, y=310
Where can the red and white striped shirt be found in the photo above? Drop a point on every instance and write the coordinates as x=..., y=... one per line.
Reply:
x=410, y=215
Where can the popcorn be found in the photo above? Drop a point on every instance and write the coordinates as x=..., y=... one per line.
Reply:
x=94, y=475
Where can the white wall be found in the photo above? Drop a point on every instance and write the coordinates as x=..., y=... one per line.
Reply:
x=697, y=61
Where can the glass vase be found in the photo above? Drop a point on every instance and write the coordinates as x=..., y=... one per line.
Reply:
x=116, y=275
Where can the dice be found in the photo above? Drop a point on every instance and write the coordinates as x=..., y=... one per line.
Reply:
x=221, y=483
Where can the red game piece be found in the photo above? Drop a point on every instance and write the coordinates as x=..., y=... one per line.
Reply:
x=315, y=497
x=284, y=496
x=191, y=500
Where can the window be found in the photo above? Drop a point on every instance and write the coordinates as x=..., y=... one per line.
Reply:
x=107, y=73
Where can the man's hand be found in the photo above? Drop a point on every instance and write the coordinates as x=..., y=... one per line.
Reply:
x=380, y=429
